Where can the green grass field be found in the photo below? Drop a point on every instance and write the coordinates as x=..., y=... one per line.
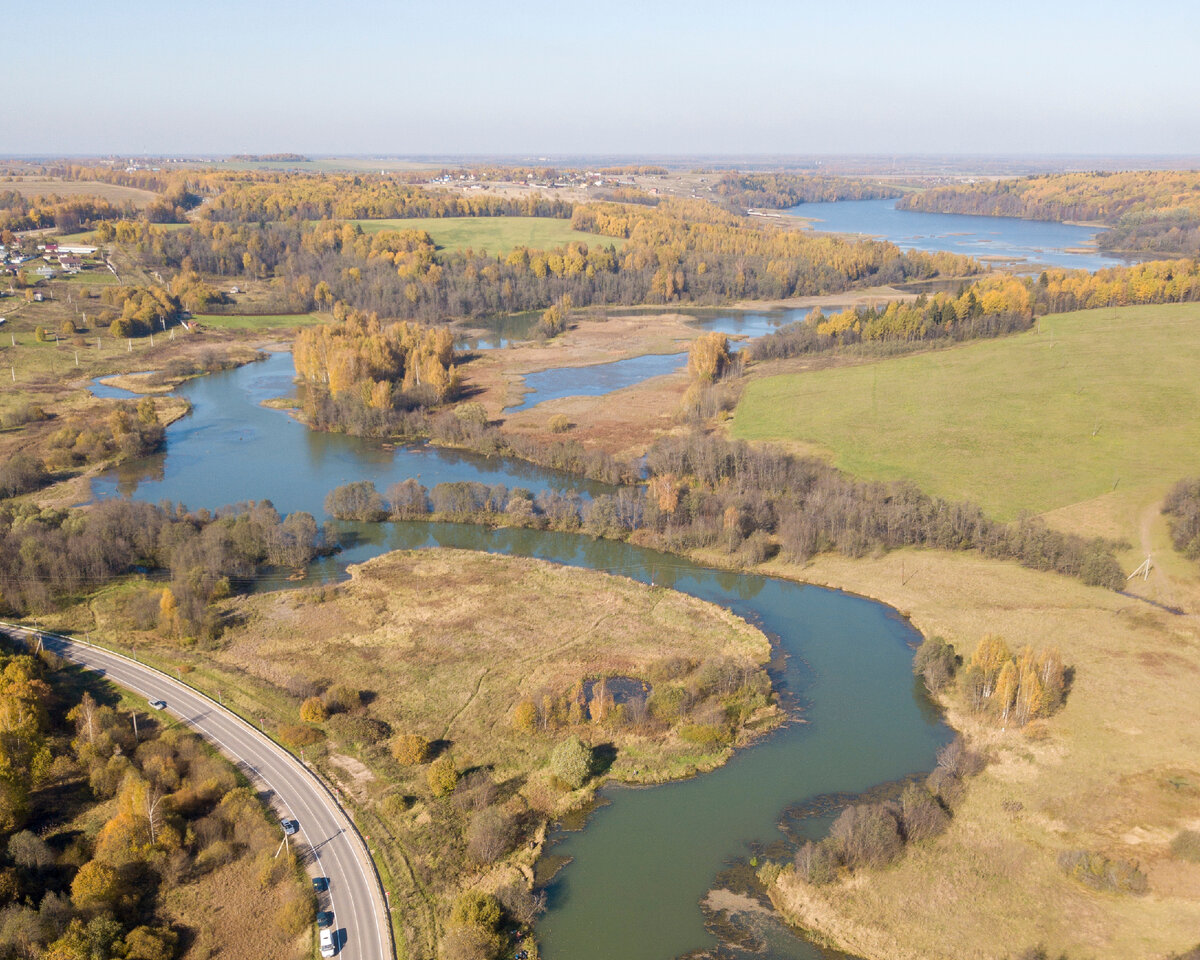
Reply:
x=264, y=322
x=1094, y=401
x=497, y=235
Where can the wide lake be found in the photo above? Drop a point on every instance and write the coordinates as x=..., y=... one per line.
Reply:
x=647, y=857
x=1021, y=243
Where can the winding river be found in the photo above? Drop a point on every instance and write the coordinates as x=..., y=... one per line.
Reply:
x=648, y=856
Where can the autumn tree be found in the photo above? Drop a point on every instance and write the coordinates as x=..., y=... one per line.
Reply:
x=410, y=749
x=313, y=710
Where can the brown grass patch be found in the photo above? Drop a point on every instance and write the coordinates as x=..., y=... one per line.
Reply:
x=1115, y=771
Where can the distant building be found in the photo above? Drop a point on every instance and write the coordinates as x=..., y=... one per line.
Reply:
x=70, y=264
x=77, y=249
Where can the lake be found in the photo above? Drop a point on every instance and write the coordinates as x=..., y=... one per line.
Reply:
x=647, y=856
x=1025, y=242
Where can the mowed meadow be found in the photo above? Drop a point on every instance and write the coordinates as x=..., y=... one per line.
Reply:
x=497, y=235
x=1085, y=404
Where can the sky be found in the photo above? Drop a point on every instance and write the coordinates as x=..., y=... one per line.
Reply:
x=632, y=78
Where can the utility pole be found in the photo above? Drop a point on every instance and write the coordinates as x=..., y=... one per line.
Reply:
x=135, y=732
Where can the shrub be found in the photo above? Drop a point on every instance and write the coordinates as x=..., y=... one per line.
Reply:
x=559, y=423
x=340, y=698
x=935, y=662
x=866, y=835
x=299, y=734
x=359, y=729
x=313, y=710
x=442, y=776
x=491, y=835
x=525, y=717
x=816, y=863
x=410, y=749
x=1100, y=873
x=475, y=909
x=704, y=734
x=1186, y=845
x=922, y=815
x=356, y=501
x=296, y=914
x=572, y=762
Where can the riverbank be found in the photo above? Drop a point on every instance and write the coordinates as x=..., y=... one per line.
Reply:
x=1114, y=772
x=469, y=653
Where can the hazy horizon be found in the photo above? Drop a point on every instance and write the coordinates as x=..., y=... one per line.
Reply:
x=670, y=79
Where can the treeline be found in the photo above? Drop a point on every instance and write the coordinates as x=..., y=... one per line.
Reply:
x=50, y=555
x=870, y=836
x=705, y=493
x=359, y=197
x=989, y=307
x=170, y=812
x=679, y=251
x=996, y=683
x=1156, y=211
x=19, y=212
x=705, y=702
x=779, y=191
x=386, y=366
x=1182, y=510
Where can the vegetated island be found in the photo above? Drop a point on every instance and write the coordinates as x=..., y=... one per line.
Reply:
x=461, y=701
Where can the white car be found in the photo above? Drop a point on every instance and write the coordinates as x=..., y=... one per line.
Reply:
x=158, y=704
x=290, y=827
x=328, y=947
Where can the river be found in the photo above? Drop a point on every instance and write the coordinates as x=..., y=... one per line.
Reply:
x=1008, y=241
x=647, y=856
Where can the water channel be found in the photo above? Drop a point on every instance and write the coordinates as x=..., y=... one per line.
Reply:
x=647, y=856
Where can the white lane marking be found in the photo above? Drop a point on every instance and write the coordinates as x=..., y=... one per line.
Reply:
x=101, y=655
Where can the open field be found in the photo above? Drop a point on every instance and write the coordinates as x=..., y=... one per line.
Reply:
x=45, y=187
x=265, y=322
x=497, y=235
x=1086, y=404
x=444, y=644
x=1115, y=772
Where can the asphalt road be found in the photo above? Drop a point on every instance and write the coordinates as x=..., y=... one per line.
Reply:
x=328, y=844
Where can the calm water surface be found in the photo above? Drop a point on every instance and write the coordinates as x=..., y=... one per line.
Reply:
x=1029, y=241
x=597, y=378
x=644, y=861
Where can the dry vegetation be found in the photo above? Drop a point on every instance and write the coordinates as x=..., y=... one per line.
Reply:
x=49, y=186
x=444, y=658
x=1114, y=773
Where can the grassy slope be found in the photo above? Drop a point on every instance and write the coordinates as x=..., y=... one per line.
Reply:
x=112, y=192
x=497, y=235
x=264, y=322
x=1116, y=771
x=1094, y=400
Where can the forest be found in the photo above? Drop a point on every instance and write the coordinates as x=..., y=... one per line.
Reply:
x=164, y=813
x=1147, y=211
x=989, y=307
x=751, y=504
x=679, y=251
x=50, y=557
x=387, y=366
x=779, y=191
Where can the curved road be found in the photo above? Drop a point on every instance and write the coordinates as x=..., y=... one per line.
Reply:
x=329, y=845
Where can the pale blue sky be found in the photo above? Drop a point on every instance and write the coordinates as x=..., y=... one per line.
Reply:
x=605, y=77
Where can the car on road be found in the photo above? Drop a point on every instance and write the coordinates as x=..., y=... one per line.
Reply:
x=159, y=704
x=289, y=827
x=325, y=918
x=320, y=884
x=328, y=947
